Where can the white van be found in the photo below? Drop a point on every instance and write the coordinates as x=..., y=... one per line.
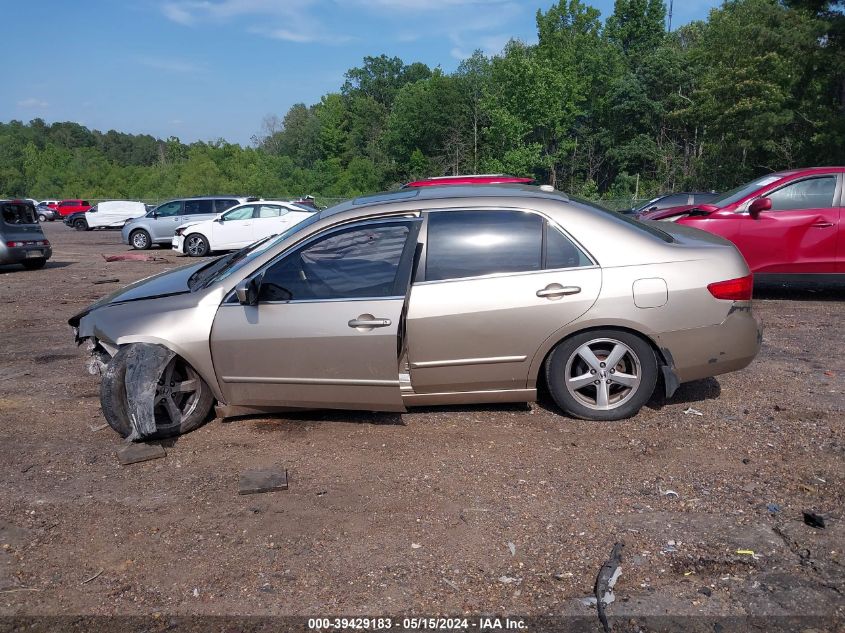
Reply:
x=113, y=214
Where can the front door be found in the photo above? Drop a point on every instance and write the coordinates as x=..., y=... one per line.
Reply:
x=233, y=229
x=168, y=217
x=799, y=233
x=496, y=285
x=324, y=333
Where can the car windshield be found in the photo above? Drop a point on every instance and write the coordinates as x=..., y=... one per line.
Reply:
x=646, y=205
x=734, y=195
x=225, y=266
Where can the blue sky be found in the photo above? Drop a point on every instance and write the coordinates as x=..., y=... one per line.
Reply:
x=208, y=69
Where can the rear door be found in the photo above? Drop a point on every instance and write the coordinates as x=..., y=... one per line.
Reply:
x=197, y=211
x=800, y=232
x=494, y=285
x=325, y=331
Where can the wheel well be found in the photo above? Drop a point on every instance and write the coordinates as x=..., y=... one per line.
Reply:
x=658, y=353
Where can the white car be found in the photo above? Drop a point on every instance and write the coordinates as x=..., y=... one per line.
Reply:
x=111, y=214
x=238, y=227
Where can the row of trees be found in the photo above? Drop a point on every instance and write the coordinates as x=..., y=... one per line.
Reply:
x=601, y=108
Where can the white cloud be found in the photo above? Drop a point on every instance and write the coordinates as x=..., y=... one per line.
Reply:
x=32, y=103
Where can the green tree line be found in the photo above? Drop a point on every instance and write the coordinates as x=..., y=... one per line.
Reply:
x=602, y=108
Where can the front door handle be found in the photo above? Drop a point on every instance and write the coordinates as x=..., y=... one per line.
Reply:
x=821, y=225
x=368, y=322
x=556, y=291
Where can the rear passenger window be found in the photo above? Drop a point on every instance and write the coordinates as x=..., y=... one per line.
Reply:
x=269, y=211
x=561, y=252
x=199, y=207
x=221, y=205
x=473, y=243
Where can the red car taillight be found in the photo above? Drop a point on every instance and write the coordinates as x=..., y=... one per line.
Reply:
x=733, y=289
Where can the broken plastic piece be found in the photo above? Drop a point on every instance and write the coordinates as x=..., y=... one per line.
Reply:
x=145, y=365
x=691, y=411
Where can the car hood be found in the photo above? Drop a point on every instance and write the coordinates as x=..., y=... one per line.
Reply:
x=164, y=284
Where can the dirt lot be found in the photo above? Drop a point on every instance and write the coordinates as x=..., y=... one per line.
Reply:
x=487, y=509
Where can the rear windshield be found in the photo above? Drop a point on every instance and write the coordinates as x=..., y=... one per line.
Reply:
x=18, y=213
x=642, y=226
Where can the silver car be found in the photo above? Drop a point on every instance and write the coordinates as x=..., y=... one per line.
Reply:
x=440, y=295
x=159, y=224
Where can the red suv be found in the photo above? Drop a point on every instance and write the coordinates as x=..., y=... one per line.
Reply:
x=786, y=222
x=69, y=207
x=469, y=179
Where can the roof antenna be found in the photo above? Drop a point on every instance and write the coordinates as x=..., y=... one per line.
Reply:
x=671, y=2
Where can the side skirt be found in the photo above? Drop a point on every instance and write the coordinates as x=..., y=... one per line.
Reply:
x=469, y=397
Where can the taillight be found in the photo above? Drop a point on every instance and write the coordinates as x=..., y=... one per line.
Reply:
x=46, y=242
x=733, y=289
x=14, y=244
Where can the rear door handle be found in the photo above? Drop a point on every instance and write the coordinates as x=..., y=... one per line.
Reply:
x=821, y=225
x=369, y=322
x=556, y=291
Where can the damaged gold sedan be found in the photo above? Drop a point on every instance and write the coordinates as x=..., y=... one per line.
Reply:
x=442, y=295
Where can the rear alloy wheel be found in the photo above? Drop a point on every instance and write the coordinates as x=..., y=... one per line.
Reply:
x=80, y=224
x=602, y=375
x=140, y=240
x=182, y=398
x=196, y=245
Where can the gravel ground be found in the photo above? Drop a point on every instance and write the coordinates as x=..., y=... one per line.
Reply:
x=442, y=510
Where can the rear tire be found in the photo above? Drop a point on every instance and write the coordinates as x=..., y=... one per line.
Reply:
x=80, y=224
x=140, y=240
x=33, y=264
x=587, y=387
x=42, y=217
x=192, y=407
x=196, y=245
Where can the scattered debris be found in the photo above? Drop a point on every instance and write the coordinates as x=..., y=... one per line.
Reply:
x=322, y=493
x=134, y=453
x=133, y=257
x=113, y=280
x=749, y=552
x=512, y=548
x=256, y=481
x=691, y=411
x=415, y=546
x=606, y=580
x=670, y=493
x=453, y=585
x=670, y=547
x=560, y=576
x=14, y=589
x=99, y=427
x=773, y=508
x=705, y=591
x=814, y=520
x=509, y=580
x=87, y=580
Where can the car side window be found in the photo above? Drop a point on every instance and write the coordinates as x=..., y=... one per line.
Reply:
x=675, y=200
x=812, y=193
x=474, y=243
x=222, y=204
x=241, y=213
x=270, y=211
x=169, y=209
x=199, y=207
x=561, y=252
x=357, y=262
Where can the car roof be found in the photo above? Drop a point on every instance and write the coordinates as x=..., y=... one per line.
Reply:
x=467, y=179
x=808, y=171
x=446, y=192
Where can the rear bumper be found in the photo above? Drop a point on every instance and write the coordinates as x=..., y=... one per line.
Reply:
x=717, y=349
x=18, y=254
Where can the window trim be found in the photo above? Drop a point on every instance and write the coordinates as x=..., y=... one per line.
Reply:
x=406, y=259
x=838, y=193
x=420, y=280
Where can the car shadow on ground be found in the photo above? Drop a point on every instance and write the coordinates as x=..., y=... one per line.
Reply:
x=687, y=393
x=17, y=268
